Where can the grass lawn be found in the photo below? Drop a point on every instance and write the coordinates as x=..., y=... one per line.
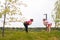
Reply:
x=32, y=35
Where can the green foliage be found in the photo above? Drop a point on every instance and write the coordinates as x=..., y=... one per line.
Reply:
x=6, y=11
x=11, y=9
x=10, y=0
x=57, y=12
x=57, y=20
x=0, y=15
x=57, y=8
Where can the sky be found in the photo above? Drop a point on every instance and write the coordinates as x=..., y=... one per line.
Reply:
x=36, y=9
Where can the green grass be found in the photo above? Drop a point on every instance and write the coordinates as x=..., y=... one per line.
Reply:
x=32, y=35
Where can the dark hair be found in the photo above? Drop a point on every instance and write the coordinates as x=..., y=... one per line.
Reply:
x=31, y=20
x=44, y=19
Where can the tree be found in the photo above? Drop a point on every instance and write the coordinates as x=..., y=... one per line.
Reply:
x=11, y=9
x=57, y=13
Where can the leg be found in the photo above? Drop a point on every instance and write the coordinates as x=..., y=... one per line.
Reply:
x=46, y=28
x=49, y=28
x=26, y=27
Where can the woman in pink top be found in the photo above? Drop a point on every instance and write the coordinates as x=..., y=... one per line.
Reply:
x=47, y=24
x=26, y=23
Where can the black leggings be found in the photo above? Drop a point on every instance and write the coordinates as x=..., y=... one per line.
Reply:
x=26, y=27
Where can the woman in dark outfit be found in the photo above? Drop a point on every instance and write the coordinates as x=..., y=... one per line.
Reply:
x=26, y=23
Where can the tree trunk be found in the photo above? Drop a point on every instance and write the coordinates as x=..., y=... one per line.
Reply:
x=4, y=20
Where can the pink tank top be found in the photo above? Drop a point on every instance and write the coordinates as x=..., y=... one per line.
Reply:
x=28, y=22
